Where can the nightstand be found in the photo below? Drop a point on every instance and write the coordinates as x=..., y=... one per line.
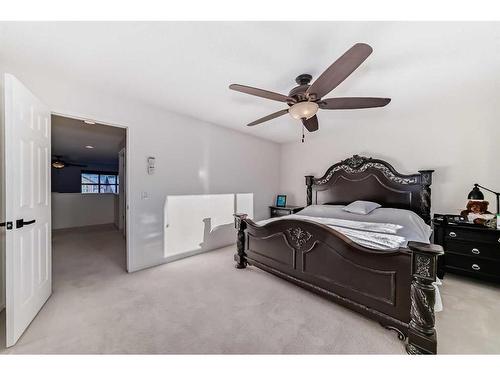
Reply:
x=469, y=249
x=282, y=211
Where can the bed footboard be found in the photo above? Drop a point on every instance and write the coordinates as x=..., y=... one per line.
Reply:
x=392, y=287
x=422, y=336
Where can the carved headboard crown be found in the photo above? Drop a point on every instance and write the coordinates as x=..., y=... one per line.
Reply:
x=363, y=178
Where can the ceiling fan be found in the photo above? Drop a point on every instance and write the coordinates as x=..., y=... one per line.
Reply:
x=59, y=163
x=305, y=100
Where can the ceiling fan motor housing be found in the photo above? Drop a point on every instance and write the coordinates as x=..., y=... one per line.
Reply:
x=303, y=79
x=299, y=92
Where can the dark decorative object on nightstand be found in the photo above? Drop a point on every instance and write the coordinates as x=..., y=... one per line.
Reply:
x=281, y=200
x=469, y=249
x=477, y=194
x=282, y=211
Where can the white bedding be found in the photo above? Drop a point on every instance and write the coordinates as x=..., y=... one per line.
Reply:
x=381, y=229
x=413, y=228
x=380, y=236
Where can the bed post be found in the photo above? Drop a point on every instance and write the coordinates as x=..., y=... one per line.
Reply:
x=240, y=225
x=426, y=181
x=309, y=184
x=422, y=338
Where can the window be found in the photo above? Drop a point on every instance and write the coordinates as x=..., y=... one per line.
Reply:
x=99, y=182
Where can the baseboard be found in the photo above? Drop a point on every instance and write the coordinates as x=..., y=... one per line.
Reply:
x=90, y=226
x=173, y=258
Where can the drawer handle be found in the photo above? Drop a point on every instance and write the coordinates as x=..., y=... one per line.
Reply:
x=475, y=267
x=475, y=251
x=453, y=234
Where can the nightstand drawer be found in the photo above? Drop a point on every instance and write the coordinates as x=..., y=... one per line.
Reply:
x=476, y=249
x=472, y=235
x=283, y=211
x=278, y=212
x=474, y=265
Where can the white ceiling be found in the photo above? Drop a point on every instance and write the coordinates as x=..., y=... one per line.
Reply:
x=186, y=67
x=70, y=136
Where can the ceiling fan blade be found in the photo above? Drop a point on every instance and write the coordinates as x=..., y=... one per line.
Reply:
x=75, y=165
x=262, y=93
x=340, y=70
x=311, y=124
x=269, y=117
x=353, y=103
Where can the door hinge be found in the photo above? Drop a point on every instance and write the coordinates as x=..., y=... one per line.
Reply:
x=7, y=225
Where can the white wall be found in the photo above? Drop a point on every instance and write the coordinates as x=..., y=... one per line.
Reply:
x=2, y=201
x=444, y=82
x=2, y=276
x=116, y=210
x=454, y=131
x=192, y=156
x=71, y=210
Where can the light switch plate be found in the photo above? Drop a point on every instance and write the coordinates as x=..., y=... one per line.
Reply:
x=151, y=165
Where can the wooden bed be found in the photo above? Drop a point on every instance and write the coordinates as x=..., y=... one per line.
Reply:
x=392, y=287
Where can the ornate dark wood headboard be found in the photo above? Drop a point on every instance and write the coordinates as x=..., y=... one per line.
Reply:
x=375, y=180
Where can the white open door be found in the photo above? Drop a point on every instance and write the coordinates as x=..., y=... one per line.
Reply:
x=28, y=241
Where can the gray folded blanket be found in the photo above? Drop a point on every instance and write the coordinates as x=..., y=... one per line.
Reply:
x=380, y=236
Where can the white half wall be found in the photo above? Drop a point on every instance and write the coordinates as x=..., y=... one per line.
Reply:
x=197, y=223
x=71, y=210
x=192, y=156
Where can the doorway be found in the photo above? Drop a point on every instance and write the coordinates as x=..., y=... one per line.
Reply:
x=88, y=190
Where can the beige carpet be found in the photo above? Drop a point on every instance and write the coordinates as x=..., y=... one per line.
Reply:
x=203, y=304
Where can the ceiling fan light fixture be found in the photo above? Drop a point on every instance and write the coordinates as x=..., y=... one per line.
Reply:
x=303, y=110
x=58, y=164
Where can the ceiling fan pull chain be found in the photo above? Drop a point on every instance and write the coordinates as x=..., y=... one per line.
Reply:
x=303, y=134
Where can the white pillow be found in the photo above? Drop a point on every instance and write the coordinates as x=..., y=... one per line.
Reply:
x=361, y=207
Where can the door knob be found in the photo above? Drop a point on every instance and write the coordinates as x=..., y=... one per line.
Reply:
x=21, y=223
